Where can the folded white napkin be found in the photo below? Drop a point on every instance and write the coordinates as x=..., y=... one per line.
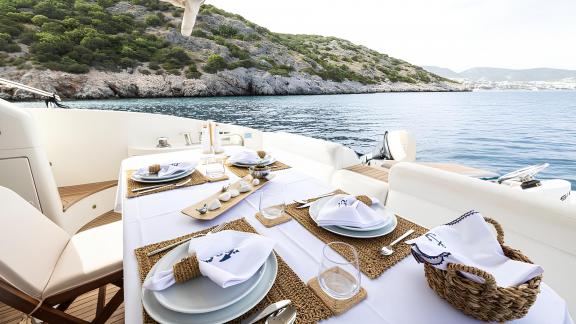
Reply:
x=227, y=258
x=470, y=240
x=245, y=157
x=170, y=169
x=346, y=210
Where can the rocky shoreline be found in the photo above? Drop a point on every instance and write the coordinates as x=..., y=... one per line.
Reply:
x=237, y=82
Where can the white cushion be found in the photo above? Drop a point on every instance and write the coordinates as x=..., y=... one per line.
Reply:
x=315, y=157
x=359, y=184
x=30, y=244
x=542, y=229
x=90, y=255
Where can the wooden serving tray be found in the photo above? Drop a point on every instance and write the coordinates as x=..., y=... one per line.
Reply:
x=211, y=214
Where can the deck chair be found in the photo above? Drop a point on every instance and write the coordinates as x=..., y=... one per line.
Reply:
x=40, y=263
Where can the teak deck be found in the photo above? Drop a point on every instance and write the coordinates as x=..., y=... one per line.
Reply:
x=381, y=173
x=73, y=194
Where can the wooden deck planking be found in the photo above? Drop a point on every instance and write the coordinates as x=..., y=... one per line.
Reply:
x=381, y=173
x=104, y=219
x=377, y=173
x=83, y=307
x=72, y=194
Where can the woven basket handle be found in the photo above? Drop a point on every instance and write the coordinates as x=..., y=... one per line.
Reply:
x=489, y=281
x=498, y=227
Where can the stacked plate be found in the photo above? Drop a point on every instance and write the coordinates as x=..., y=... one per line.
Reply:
x=267, y=160
x=202, y=301
x=386, y=227
x=183, y=170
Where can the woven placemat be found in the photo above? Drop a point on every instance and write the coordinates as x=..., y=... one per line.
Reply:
x=372, y=263
x=273, y=222
x=310, y=307
x=242, y=172
x=337, y=306
x=196, y=178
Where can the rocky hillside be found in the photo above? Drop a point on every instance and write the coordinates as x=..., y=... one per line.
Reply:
x=108, y=48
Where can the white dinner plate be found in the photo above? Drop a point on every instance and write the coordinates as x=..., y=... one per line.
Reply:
x=164, y=315
x=386, y=228
x=266, y=161
x=178, y=176
x=200, y=295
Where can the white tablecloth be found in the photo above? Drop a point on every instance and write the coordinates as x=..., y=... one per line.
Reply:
x=400, y=295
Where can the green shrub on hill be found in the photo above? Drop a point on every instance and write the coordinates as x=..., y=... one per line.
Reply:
x=215, y=63
x=78, y=35
x=192, y=72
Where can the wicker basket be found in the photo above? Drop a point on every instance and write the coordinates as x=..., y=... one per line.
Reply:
x=484, y=301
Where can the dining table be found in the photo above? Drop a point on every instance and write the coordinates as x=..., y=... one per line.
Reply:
x=400, y=295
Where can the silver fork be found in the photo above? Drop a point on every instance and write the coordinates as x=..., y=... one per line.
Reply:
x=307, y=201
x=151, y=188
x=168, y=247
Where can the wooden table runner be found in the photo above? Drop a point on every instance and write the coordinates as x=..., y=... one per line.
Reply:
x=372, y=263
x=196, y=178
x=242, y=172
x=288, y=285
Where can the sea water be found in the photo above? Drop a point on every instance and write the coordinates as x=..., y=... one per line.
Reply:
x=498, y=131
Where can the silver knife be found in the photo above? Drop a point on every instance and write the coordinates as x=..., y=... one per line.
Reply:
x=305, y=205
x=267, y=311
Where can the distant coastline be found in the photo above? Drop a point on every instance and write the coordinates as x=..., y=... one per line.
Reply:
x=237, y=82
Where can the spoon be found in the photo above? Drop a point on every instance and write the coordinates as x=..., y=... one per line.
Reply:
x=388, y=250
x=286, y=315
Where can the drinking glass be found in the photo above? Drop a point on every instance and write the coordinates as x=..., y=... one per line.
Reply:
x=215, y=168
x=272, y=202
x=338, y=277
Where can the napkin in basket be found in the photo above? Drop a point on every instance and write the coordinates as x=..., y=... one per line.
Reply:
x=470, y=241
x=169, y=169
x=227, y=258
x=347, y=210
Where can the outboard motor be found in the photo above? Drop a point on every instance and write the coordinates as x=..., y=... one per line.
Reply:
x=396, y=146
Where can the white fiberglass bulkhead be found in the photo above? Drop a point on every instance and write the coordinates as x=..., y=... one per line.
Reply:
x=24, y=166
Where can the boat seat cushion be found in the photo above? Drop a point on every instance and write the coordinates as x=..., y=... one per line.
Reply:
x=544, y=230
x=315, y=157
x=90, y=255
x=359, y=184
x=30, y=244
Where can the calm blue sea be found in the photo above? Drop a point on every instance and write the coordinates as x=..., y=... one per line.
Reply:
x=499, y=131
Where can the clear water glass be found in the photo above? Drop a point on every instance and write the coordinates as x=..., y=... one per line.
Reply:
x=215, y=168
x=338, y=277
x=272, y=202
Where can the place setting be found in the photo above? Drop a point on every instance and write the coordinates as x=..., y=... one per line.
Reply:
x=227, y=273
x=168, y=176
x=361, y=221
x=247, y=162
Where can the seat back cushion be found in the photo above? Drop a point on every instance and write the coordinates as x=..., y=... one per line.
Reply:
x=543, y=230
x=315, y=157
x=30, y=244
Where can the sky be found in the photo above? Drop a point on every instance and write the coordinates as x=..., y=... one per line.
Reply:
x=456, y=34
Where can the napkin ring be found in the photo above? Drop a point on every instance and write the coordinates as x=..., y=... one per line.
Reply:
x=365, y=199
x=154, y=168
x=187, y=269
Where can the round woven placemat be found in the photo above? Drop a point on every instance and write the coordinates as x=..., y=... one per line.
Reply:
x=372, y=263
x=196, y=178
x=242, y=172
x=311, y=309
